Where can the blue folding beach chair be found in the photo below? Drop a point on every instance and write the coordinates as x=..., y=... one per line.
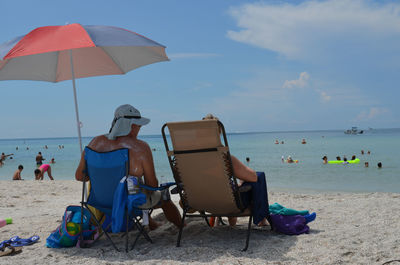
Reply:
x=105, y=170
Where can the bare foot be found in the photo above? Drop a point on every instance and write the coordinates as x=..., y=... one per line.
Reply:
x=263, y=222
x=232, y=221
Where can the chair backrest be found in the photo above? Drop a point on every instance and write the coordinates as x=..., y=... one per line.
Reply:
x=105, y=170
x=202, y=165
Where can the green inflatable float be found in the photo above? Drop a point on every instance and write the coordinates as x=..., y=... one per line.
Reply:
x=355, y=161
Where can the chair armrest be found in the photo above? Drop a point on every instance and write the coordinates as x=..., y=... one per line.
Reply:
x=163, y=186
x=177, y=189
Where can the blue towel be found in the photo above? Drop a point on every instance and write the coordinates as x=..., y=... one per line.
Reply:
x=257, y=197
x=121, y=201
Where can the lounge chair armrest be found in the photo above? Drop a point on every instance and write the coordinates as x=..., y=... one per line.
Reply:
x=244, y=188
x=177, y=189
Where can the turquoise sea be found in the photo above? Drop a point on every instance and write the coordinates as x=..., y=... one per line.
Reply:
x=307, y=175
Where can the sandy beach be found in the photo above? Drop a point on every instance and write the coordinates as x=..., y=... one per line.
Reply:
x=351, y=228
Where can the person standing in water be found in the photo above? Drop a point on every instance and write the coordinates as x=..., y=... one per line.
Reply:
x=39, y=159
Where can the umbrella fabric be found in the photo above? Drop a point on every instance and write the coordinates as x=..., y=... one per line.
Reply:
x=44, y=54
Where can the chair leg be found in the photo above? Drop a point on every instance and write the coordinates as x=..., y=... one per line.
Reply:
x=178, y=243
x=98, y=224
x=206, y=219
x=136, y=239
x=127, y=230
x=248, y=234
x=141, y=231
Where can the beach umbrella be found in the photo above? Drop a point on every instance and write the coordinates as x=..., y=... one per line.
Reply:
x=69, y=52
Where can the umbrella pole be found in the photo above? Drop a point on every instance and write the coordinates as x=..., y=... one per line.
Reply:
x=78, y=123
x=84, y=193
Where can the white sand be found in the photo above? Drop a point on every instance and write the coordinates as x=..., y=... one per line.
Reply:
x=350, y=228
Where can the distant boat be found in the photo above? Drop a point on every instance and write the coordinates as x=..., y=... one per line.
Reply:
x=354, y=130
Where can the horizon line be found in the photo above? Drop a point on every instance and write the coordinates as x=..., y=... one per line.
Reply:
x=228, y=133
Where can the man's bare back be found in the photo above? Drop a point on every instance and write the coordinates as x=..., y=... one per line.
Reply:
x=140, y=156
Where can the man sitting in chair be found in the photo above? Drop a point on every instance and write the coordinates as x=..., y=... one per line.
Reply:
x=242, y=172
x=123, y=134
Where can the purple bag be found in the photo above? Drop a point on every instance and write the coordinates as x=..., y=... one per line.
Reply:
x=289, y=224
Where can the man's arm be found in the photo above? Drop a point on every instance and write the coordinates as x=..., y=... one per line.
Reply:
x=79, y=175
x=148, y=167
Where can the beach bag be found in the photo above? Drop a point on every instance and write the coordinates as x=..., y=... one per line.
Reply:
x=289, y=224
x=69, y=231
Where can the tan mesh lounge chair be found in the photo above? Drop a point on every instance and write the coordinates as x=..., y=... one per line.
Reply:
x=202, y=169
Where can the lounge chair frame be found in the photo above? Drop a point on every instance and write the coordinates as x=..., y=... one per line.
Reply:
x=243, y=211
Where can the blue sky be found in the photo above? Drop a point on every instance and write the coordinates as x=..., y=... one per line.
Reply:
x=257, y=65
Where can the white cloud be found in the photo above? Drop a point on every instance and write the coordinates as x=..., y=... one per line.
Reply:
x=324, y=96
x=191, y=55
x=314, y=30
x=301, y=82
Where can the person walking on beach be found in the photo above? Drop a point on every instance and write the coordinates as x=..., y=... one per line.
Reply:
x=39, y=173
x=17, y=173
x=123, y=134
x=39, y=159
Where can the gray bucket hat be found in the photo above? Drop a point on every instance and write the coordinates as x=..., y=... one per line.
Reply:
x=124, y=117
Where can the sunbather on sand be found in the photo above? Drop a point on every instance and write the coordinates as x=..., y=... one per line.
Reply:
x=242, y=172
x=123, y=134
x=17, y=173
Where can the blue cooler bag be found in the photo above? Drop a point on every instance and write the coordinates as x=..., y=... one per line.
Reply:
x=68, y=233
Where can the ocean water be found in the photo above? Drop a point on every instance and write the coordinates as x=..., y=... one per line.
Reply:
x=308, y=175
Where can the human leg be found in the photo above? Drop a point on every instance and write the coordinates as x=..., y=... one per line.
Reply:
x=49, y=173
x=171, y=213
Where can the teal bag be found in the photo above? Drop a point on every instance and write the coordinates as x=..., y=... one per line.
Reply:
x=67, y=234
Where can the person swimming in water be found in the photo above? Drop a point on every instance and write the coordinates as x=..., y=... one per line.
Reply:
x=325, y=160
